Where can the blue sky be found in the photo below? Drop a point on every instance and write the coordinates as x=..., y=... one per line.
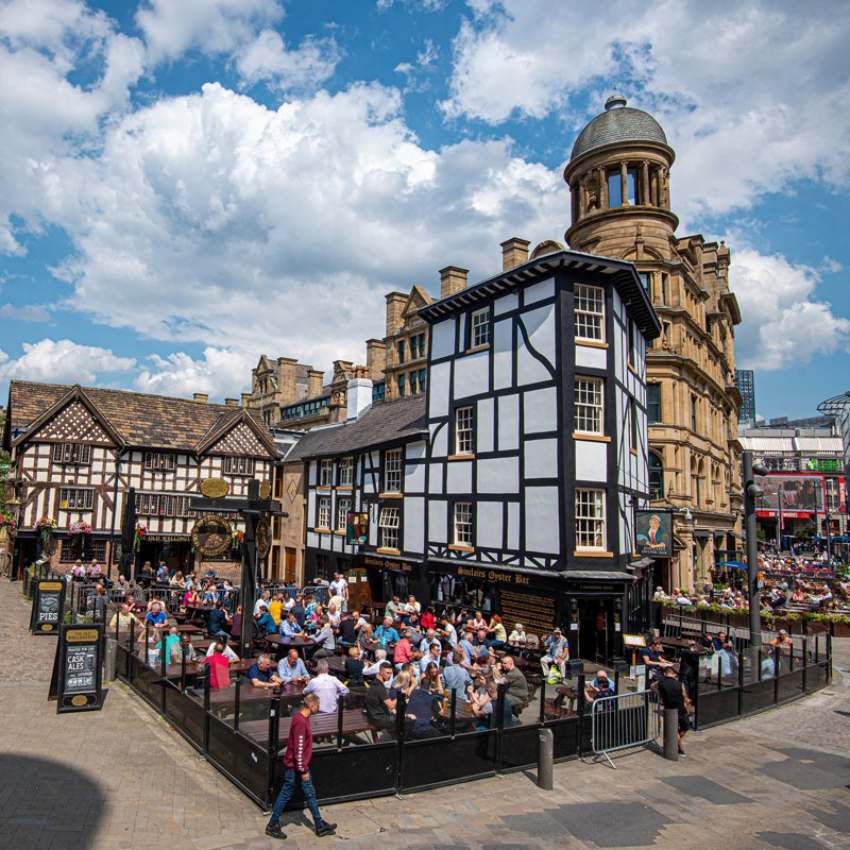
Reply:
x=186, y=185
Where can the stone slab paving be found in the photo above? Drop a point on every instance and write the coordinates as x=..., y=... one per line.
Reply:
x=121, y=779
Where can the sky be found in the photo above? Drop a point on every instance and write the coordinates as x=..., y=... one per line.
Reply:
x=187, y=184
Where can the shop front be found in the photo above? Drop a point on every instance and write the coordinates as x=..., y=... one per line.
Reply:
x=174, y=549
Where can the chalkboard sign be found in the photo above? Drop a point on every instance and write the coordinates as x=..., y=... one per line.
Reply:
x=48, y=606
x=77, y=672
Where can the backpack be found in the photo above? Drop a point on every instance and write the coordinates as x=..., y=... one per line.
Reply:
x=554, y=677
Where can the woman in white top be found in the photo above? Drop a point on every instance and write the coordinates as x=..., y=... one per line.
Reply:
x=518, y=637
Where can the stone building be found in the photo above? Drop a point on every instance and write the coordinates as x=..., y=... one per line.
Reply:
x=619, y=178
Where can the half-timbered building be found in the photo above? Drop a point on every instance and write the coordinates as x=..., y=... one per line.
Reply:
x=77, y=451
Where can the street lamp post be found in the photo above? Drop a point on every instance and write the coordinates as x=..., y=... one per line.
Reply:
x=752, y=492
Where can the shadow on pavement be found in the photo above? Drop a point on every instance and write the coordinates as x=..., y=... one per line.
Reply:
x=46, y=803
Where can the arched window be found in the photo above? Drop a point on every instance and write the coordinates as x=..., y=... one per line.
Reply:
x=656, y=477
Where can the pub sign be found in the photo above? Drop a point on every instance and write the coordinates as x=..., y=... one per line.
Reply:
x=654, y=533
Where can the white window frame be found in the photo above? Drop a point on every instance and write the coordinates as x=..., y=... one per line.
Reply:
x=78, y=454
x=462, y=530
x=323, y=512
x=591, y=531
x=589, y=312
x=343, y=507
x=464, y=430
x=393, y=470
x=326, y=473
x=234, y=465
x=160, y=461
x=346, y=471
x=589, y=405
x=479, y=328
x=389, y=525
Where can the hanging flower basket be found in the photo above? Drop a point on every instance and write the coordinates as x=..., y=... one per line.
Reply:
x=236, y=541
x=138, y=536
x=46, y=526
x=76, y=528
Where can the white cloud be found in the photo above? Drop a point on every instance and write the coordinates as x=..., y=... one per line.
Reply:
x=62, y=361
x=26, y=313
x=267, y=58
x=752, y=96
x=220, y=373
x=784, y=323
x=212, y=26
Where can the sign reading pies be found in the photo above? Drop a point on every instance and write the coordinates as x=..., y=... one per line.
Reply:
x=212, y=535
x=215, y=488
x=48, y=607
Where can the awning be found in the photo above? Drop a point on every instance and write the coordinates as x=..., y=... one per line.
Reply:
x=733, y=565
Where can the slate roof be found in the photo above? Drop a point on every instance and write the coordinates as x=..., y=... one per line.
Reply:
x=384, y=422
x=139, y=419
x=618, y=124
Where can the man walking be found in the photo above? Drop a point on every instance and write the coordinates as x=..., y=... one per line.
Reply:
x=296, y=762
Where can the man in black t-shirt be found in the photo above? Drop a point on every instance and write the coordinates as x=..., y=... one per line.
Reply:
x=380, y=706
x=672, y=694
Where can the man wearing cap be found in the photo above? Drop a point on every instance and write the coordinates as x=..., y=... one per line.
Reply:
x=557, y=653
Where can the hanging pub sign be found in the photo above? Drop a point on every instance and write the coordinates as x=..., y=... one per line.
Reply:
x=654, y=533
x=76, y=684
x=48, y=606
x=212, y=535
x=263, y=536
x=356, y=528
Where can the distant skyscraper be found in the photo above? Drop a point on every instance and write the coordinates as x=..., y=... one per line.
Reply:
x=746, y=387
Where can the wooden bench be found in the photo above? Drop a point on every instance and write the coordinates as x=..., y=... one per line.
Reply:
x=354, y=721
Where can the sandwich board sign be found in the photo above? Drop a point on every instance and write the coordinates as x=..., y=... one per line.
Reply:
x=48, y=606
x=76, y=684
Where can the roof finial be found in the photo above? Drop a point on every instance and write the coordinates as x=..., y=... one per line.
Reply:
x=616, y=99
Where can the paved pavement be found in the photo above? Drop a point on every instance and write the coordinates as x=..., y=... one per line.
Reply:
x=120, y=779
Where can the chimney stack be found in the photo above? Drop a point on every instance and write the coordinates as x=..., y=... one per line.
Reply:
x=232, y=402
x=246, y=399
x=396, y=302
x=514, y=253
x=315, y=379
x=358, y=392
x=201, y=398
x=286, y=369
x=452, y=280
x=376, y=358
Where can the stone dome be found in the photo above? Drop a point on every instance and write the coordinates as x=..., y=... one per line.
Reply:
x=618, y=123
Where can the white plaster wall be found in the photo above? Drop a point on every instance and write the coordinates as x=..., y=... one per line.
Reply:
x=489, y=525
x=311, y=473
x=541, y=459
x=590, y=358
x=440, y=443
x=542, y=523
x=437, y=519
x=443, y=338
x=311, y=507
x=415, y=451
x=414, y=478
x=472, y=374
x=435, y=478
x=438, y=389
x=508, y=408
x=459, y=477
x=414, y=524
x=505, y=303
x=513, y=526
x=498, y=475
x=540, y=410
x=503, y=354
x=539, y=291
x=591, y=460
x=540, y=327
x=312, y=539
x=484, y=432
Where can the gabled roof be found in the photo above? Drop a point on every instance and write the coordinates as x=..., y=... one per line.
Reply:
x=384, y=422
x=136, y=419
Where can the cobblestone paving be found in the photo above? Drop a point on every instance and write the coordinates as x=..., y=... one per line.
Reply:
x=120, y=779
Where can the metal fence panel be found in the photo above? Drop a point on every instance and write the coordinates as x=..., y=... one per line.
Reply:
x=623, y=721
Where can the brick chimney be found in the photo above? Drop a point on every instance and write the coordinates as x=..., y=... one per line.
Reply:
x=246, y=399
x=358, y=392
x=376, y=358
x=315, y=379
x=452, y=280
x=201, y=398
x=286, y=369
x=514, y=253
x=232, y=402
x=396, y=302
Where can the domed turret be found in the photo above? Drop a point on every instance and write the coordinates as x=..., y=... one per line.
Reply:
x=618, y=175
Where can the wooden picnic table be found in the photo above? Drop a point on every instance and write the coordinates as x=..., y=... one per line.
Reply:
x=190, y=628
x=243, y=665
x=285, y=643
x=248, y=693
x=354, y=720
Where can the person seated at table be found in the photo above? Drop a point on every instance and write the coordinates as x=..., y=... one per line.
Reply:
x=289, y=628
x=478, y=622
x=455, y=676
x=218, y=621
x=218, y=665
x=366, y=639
x=78, y=571
x=229, y=654
x=325, y=641
x=425, y=643
x=122, y=619
x=599, y=686
x=415, y=629
x=508, y=673
x=95, y=571
x=386, y=633
x=421, y=711
x=156, y=616
x=484, y=708
x=428, y=620
x=187, y=651
x=373, y=668
x=380, y=706
x=481, y=638
x=394, y=609
x=412, y=606
x=431, y=678
x=518, y=636
x=173, y=652
x=264, y=622
x=447, y=631
x=557, y=653
x=316, y=619
x=291, y=668
x=146, y=574
x=262, y=673
x=354, y=665
x=470, y=651
x=402, y=651
x=262, y=602
x=333, y=614
x=310, y=605
x=327, y=688
x=652, y=657
x=496, y=632
x=433, y=656
x=191, y=599
x=176, y=581
x=783, y=643
x=347, y=632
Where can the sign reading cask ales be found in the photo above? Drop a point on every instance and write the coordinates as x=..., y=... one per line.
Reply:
x=48, y=606
x=77, y=684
